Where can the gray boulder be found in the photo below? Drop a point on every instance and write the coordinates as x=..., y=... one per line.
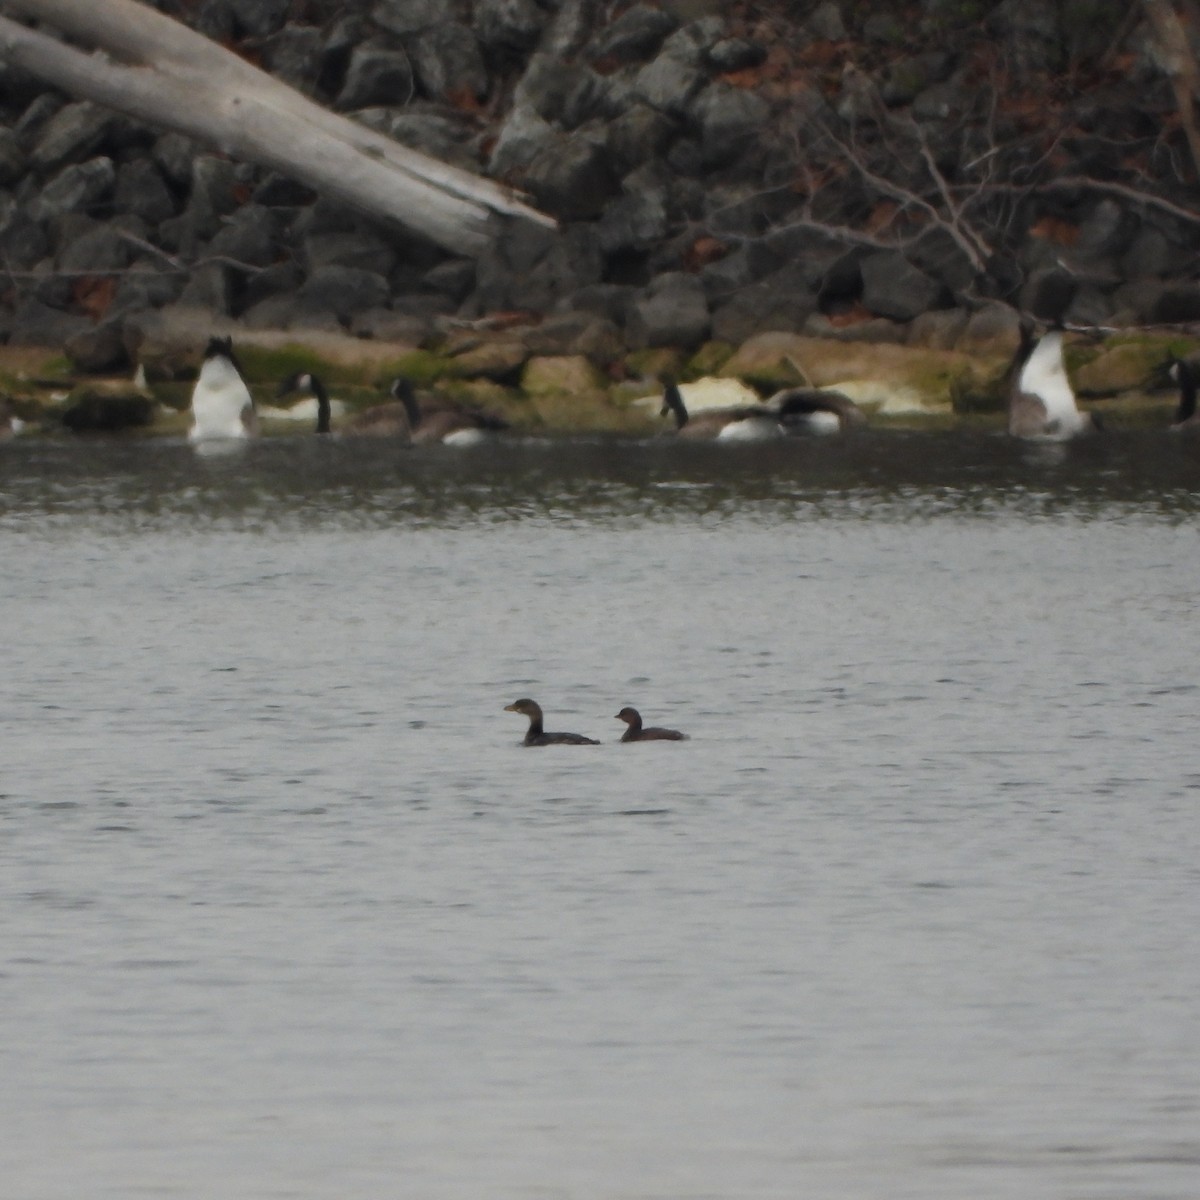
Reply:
x=781, y=301
x=453, y=279
x=508, y=27
x=406, y=17
x=535, y=269
x=447, y=61
x=376, y=75
x=101, y=249
x=736, y=54
x=571, y=179
x=294, y=55
x=522, y=138
x=141, y=190
x=38, y=324
x=694, y=42
x=565, y=94
x=669, y=84
x=100, y=348
x=731, y=120
x=672, y=311
x=608, y=300
x=635, y=221
x=248, y=236
x=173, y=154
x=209, y=287
x=343, y=291
x=13, y=163
x=892, y=287
x=637, y=136
x=634, y=36
x=362, y=249
x=23, y=242
x=579, y=332
x=439, y=133
x=76, y=131
x=77, y=188
x=1048, y=292
x=146, y=286
x=260, y=18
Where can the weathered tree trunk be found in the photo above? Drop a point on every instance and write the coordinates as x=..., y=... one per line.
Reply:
x=168, y=75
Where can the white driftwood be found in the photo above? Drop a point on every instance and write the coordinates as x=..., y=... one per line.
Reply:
x=159, y=71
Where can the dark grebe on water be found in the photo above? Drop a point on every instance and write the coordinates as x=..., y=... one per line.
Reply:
x=535, y=735
x=635, y=732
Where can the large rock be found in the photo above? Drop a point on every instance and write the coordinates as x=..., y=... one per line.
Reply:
x=639, y=135
x=248, y=236
x=439, y=133
x=783, y=300
x=76, y=131
x=293, y=55
x=500, y=359
x=892, y=287
x=672, y=311
x=13, y=163
x=567, y=94
x=731, y=121
x=101, y=249
x=570, y=179
x=568, y=373
x=447, y=62
x=635, y=221
x=669, y=85
x=75, y=189
x=259, y=18
x=408, y=16
x=376, y=75
x=359, y=248
x=141, y=190
x=98, y=349
x=634, y=36
x=508, y=27
x=576, y=333
x=38, y=324
x=343, y=291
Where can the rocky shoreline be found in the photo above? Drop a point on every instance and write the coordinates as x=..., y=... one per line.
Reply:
x=785, y=193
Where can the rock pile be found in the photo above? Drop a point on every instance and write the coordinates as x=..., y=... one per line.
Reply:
x=718, y=170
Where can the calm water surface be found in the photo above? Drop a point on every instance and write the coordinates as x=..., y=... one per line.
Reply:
x=287, y=911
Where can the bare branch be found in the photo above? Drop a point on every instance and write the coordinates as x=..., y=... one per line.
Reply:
x=1181, y=68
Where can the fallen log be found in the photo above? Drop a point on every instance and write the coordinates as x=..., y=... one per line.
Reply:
x=157, y=70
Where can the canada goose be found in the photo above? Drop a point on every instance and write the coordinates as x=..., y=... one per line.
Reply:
x=450, y=425
x=1186, y=417
x=747, y=424
x=535, y=735
x=382, y=420
x=812, y=411
x=222, y=406
x=636, y=733
x=1041, y=403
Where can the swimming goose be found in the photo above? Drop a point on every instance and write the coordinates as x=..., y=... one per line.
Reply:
x=749, y=424
x=1041, y=403
x=813, y=411
x=637, y=733
x=448, y=424
x=537, y=736
x=381, y=420
x=1186, y=417
x=222, y=406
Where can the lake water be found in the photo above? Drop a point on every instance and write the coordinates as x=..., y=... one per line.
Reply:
x=288, y=912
